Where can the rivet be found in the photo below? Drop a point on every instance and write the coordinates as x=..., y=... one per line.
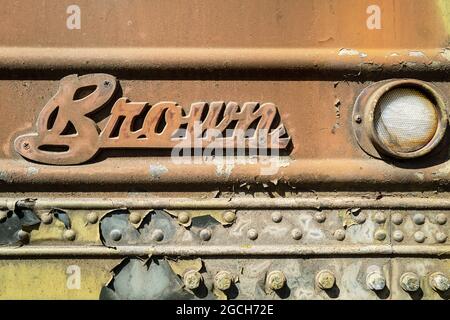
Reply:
x=419, y=236
x=205, y=234
x=115, y=234
x=69, y=235
x=46, y=218
x=157, y=235
x=339, y=234
x=325, y=279
x=252, y=234
x=23, y=236
x=440, y=237
x=398, y=235
x=276, y=216
x=192, y=279
x=410, y=282
x=3, y=215
x=380, y=217
x=419, y=218
x=275, y=280
x=441, y=218
x=223, y=280
x=439, y=282
x=296, y=234
x=92, y=217
x=375, y=281
x=380, y=234
x=360, y=218
x=357, y=118
x=397, y=218
x=229, y=216
x=320, y=216
x=183, y=217
x=134, y=217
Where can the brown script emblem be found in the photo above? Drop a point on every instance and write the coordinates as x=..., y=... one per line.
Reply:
x=66, y=133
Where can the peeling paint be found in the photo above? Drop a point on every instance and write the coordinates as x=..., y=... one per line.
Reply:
x=416, y=54
x=157, y=170
x=351, y=52
x=32, y=171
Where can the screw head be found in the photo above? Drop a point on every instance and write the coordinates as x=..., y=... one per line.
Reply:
x=23, y=236
x=419, y=236
x=46, y=218
x=296, y=234
x=192, y=279
x=397, y=218
x=380, y=217
x=157, y=235
x=439, y=282
x=223, y=280
x=275, y=280
x=441, y=218
x=92, y=217
x=339, y=234
x=229, y=216
x=252, y=234
x=134, y=217
x=115, y=234
x=183, y=217
x=320, y=216
x=276, y=216
x=3, y=216
x=325, y=279
x=410, y=282
x=441, y=237
x=69, y=234
x=375, y=281
x=419, y=218
x=398, y=235
x=380, y=234
x=205, y=234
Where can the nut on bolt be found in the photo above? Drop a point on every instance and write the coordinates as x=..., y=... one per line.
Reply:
x=192, y=279
x=223, y=280
x=439, y=282
x=275, y=280
x=375, y=281
x=325, y=279
x=410, y=282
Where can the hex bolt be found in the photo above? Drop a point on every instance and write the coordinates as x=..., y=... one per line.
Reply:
x=69, y=234
x=360, y=218
x=397, y=218
x=320, y=216
x=115, y=234
x=441, y=218
x=380, y=234
x=339, y=234
x=439, y=282
x=223, y=280
x=296, y=234
x=157, y=235
x=252, y=234
x=325, y=279
x=23, y=236
x=380, y=217
x=183, y=217
x=92, y=217
x=275, y=280
x=277, y=217
x=229, y=216
x=375, y=281
x=46, y=218
x=419, y=218
x=3, y=216
x=441, y=237
x=192, y=279
x=419, y=236
x=397, y=235
x=134, y=218
x=205, y=234
x=410, y=282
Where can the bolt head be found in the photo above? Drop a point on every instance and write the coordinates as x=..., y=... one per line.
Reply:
x=183, y=217
x=375, y=281
x=325, y=279
x=419, y=236
x=339, y=234
x=441, y=237
x=3, y=216
x=439, y=282
x=296, y=234
x=398, y=235
x=46, y=218
x=134, y=217
x=360, y=218
x=157, y=235
x=357, y=118
x=229, y=216
x=69, y=234
x=115, y=234
x=419, y=218
x=380, y=217
x=275, y=280
x=223, y=280
x=192, y=279
x=441, y=218
x=397, y=218
x=410, y=282
x=23, y=236
x=92, y=217
x=252, y=234
x=205, y=234
x=320, y=216
x=276, y=216
x=380, y=234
